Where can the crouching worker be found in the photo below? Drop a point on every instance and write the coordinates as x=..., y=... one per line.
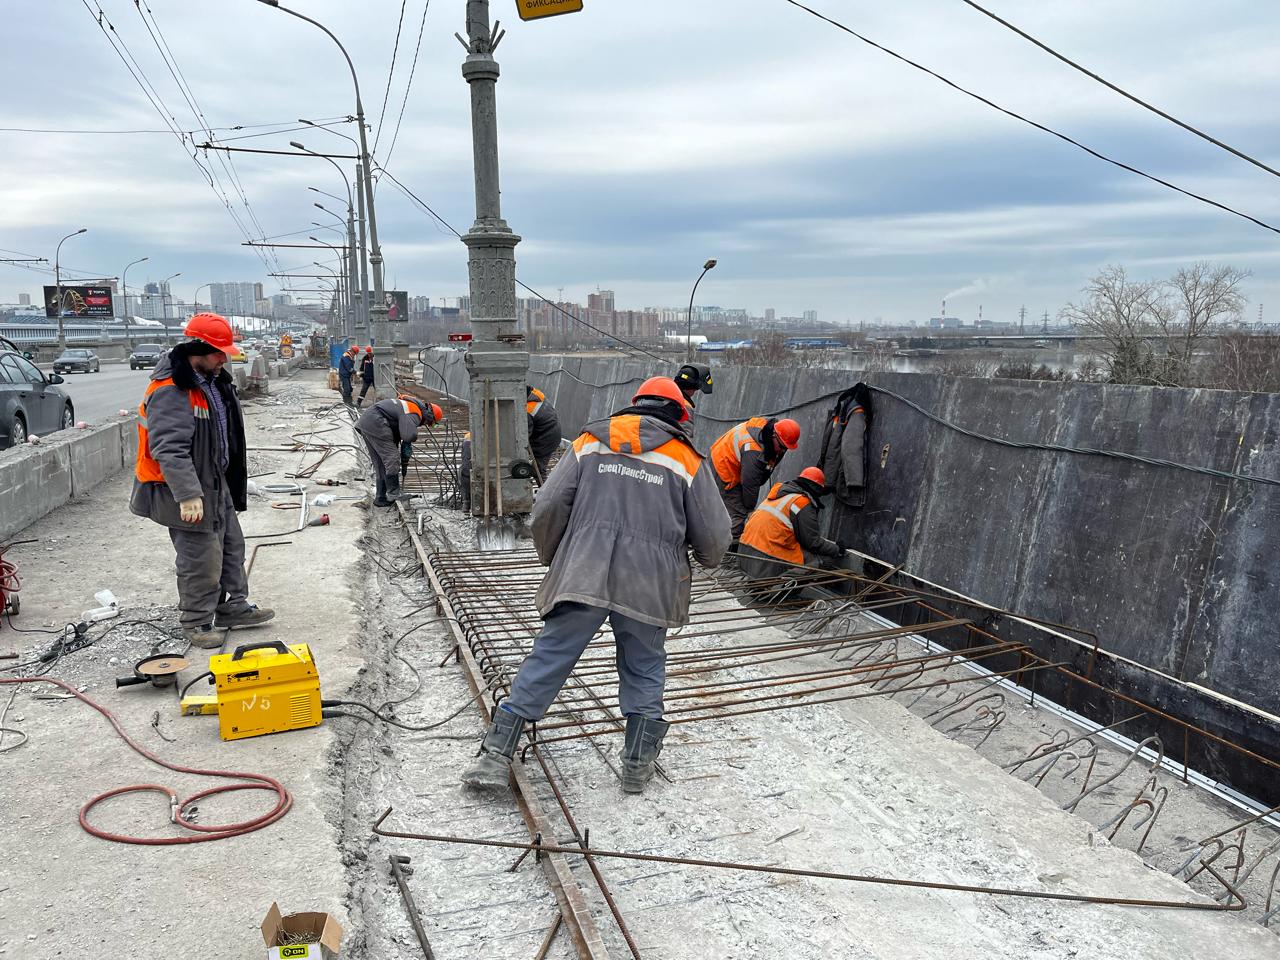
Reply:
x=781, y=538
x=614, y=523
x=385, y=427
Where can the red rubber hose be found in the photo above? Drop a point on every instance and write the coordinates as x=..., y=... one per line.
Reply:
x=250, y=781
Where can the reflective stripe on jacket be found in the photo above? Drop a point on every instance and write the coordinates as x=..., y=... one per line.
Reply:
x=544, y=425
x=147, y=469
x=771, y=529
x=180, y=447
x=616, y=518
x=727, y=452
x=785, y=527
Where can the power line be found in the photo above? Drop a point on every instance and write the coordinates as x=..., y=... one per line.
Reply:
x=409, y=84
x=1120, y=90
x=327, y=122
x=604, y=333
x=391, y=72
x=1039, y=126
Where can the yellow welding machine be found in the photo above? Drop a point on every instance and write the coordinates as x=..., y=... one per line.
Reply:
x=265, y=688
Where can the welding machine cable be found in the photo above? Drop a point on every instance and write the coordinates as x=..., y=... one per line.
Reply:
x=251, y=781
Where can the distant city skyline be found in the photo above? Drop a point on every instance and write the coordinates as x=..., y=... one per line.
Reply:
x=880, y=197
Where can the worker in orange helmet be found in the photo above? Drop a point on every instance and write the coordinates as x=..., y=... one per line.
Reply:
x=745, y=458
x=347, y=370
x=366, y=375
x=781, y=536
x=615, y=522
x=191, y=476
x=386, y=427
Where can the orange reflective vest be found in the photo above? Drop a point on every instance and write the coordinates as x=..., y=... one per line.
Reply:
x=147, y=468
x=770, y=528
x=534, y=403
x=726, y=453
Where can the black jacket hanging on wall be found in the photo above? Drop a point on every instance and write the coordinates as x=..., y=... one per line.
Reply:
x=845, y=455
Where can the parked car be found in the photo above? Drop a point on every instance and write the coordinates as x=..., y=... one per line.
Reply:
x=75, y=358
x=144, y=356
x=30, y=402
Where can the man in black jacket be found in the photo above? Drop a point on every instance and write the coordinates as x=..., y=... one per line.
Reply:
x=544, y=429
x=366, y=375
x=191, y=476
x=346, y=370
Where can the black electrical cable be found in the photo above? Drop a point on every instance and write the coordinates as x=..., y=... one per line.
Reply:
x=391, y=72
x=413, y=69
x=1039, y=126
x=1015, y=444
x=1120, y=90
x=207, y=675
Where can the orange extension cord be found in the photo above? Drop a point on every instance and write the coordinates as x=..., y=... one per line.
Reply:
x=256, y=781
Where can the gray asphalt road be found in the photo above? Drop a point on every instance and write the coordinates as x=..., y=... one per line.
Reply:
x=98, y=395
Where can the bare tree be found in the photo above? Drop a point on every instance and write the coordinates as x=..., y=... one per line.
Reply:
x=1123, y=314
x=1198, y=298
x=1244, y=361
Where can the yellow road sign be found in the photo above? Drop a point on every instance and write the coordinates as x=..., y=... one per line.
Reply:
x=537, y=9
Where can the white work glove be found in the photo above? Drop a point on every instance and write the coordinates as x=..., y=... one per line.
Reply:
x=192, y=510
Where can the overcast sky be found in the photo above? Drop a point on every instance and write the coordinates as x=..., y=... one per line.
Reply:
x=639, y=139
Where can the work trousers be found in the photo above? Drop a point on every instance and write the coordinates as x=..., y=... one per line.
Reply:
x=566, y=631
x=385, y=462
x=211, y=577
x=344, y=384
x=365, y=386
x=738, y=509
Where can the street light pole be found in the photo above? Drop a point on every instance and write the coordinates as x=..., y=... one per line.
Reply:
x=57, y=279
x=195, y=298
x=378, y=311
x=165, y=299
x=345, y=254
x=124, y=285
x=688, y=341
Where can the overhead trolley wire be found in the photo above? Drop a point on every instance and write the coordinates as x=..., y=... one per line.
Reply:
x=1120, y=90
x=1039, y=126
x=391, y=72
x=413, y=69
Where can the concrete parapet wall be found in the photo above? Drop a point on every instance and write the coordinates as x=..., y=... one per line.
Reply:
x=36, y=479
x=1172, y=569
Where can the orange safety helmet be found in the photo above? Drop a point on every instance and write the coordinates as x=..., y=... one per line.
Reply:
x=663, y=388
x=212, y=329
x=367, y=349
x=437, y=414
x=815, y=475
x=788, y=432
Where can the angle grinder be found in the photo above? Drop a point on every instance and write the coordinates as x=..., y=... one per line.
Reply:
x=159, y=670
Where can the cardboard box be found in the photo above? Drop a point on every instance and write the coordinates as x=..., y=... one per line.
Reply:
x=301, y=936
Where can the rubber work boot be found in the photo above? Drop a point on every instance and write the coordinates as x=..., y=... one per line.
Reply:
x=394, y=491
x=640, y=749
x=493, y=765
x=250, y=616
x=205, y=636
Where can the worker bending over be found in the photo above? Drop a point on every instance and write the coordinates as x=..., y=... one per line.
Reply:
x=386, y=427
x=745, y=458
x=544, y=429
x=781, y=536
x=614, y=523
x=191, y=476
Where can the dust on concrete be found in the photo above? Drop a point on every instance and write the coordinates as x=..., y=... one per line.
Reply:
x=66, y=893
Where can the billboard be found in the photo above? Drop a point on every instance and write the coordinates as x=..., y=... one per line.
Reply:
x=397, y=306
x=79, y=301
